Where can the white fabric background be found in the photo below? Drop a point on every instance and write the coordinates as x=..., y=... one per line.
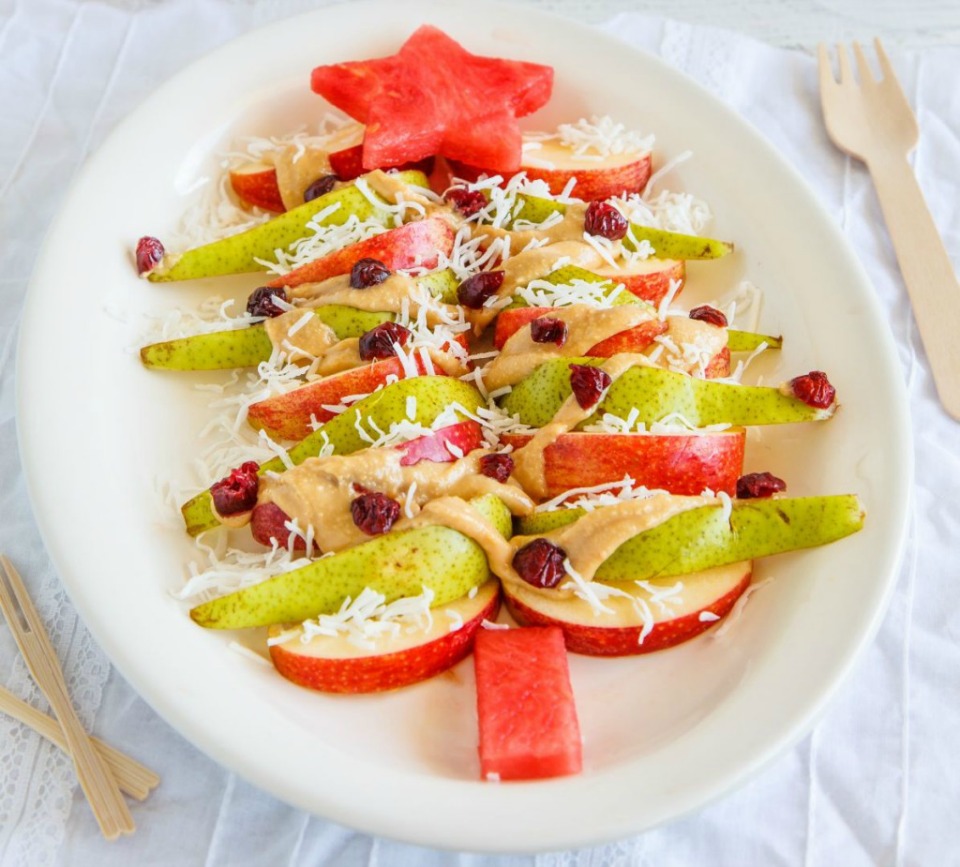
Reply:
x=877, y=782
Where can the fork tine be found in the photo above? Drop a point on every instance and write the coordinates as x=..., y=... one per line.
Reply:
x=863, y=65
x=885, y=66
x=826, y=68
x=846, y=72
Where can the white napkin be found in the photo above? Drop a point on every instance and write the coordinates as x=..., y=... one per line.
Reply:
x=878, y=781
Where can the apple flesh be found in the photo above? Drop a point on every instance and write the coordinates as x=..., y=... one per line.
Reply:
x=678, y=463
x=417, y=244
x=712, y=592
x=397, y=564
x=334, y=664
x=433, y=394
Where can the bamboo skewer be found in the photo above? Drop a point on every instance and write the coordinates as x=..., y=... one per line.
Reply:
x=97, y=782
x=132, y=777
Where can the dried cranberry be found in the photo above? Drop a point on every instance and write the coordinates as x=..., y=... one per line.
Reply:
x=548, y=330
x=368, y=272
x=237, y=492
x=320, y=187
x=588, y=383
x=497, y=466
x=379, y=342
x=374, y=513
x=605, y=220
x=757, y=486
x=814, y=389
x=467, y=202
x=261, y=301
x=475, y=290
x=149, y=254
x=540, y=563
x=710, y=315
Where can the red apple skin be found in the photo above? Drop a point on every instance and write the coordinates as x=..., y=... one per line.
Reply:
x=347, y=164
x=634, y=339
x=411, y=245
x=651, y=281
x=466, y=435
x=682, y=464
x=625, y=640
x=288, y=416
x=363, y=674
x=256, y=185
x=600, y=182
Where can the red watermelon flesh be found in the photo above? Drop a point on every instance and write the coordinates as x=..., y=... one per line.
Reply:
x=434, y=97
x=525, y=706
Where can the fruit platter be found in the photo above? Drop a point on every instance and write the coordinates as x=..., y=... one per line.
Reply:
x=484, y=453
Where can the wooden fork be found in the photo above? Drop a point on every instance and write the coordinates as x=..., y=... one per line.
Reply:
x=872, y=121
x=98, y=784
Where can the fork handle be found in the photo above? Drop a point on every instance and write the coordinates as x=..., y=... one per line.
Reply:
x=927, y=271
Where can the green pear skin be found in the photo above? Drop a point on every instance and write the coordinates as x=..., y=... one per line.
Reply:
x=247, y=347
x=570, y=273
x=748, y=341
x=674, y=245
x=703, y=537
x=666, y=245
x=656, y=393
x=396, y=564
x=237, y=254
x=433, y=395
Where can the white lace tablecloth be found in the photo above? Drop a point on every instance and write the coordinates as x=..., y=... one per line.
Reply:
x=877, y=782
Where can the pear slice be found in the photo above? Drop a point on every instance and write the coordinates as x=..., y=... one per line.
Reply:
x=247, y=347
x=748, y=341
x=396, y=564
x=666, y=245
x=238, y=254
x=703, y=537
x=656, y=393
x=433, y=394
x=674, y=245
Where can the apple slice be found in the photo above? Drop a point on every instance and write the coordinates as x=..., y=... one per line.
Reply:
x=634, y=339
x=256, y=186
x=413, y=245
x=650, y=279
x=678, y=463
x=555, y=164
x=347, y=164
x=335, y=664
x=238, y=254
x=433, y=394
x=705, y=597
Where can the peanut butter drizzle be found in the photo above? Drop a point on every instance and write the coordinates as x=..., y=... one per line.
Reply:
x=530, y=264
x=319, y=491
x=595, y=536
x=587, y=326
x=293, y=177
x=570, y=228
x=314, y=338
x=529, y=459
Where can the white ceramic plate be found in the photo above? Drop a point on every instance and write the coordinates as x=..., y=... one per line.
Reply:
x=663, y=734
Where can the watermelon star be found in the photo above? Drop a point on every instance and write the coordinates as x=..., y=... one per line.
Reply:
x=435, y=97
